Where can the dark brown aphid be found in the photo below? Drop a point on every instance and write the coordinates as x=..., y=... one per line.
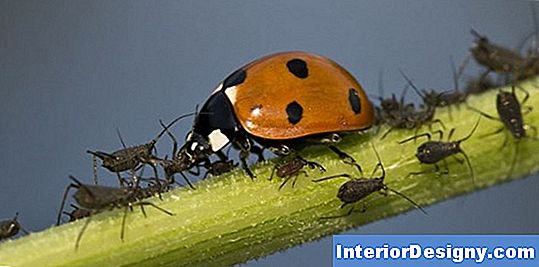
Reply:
x=432, y=152
x=411, y=118
x=510, y=115
x=77, y=213
x=96, y=198
x=391, y=106
x=496, y=58
x=219, y=167
x=131, y=158
x=293, y=168
x=10, y=228
x=358, y=188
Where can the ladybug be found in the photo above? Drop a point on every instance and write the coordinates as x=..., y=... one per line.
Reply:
x=283, y=102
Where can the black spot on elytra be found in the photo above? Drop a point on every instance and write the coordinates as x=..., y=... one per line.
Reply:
x=353, y=98
x=295, y=112
x=235, y=78
x=298, y=67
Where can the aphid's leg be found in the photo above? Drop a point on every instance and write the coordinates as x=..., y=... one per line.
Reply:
x=451, y=132
x=339, y=216
x=259, y=152
x=343, y=175
x=499, y=130
x=442, y=172
x=94, y=165
x=141, y=203
x=526, y=94
x=437, y=121
x=243, y=159
x=122, y=181
x=243, y=143
x=71, y=185
x=415, y=137
x=378, y=165
x=533, y=128
x=346, y=159
x=386, y=133
x=469, y=166
x=296, y=177
x=436, y=170
x=122, y=231
x=79, y=236
x=272, y=172
x=504, y=143
x=143, y=211
x=285, y=181
x=187, y=180
x=483, y=113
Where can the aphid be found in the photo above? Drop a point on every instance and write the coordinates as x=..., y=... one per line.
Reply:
x=77, y=213
x=10, y=228
x=531, y=65
x=96, y=198
x=130, y=158
x=284, y=102
x=432, y=152
x=176, y=165
x=391, y=109
x=358, y=188
x=219, y=167
x=293, y=168
x=510, y=115
x=495, y=57
x=412, y=118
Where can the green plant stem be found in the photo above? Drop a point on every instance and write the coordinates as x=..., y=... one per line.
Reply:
x=231, y=219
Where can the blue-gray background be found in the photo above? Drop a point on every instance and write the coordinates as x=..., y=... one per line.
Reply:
x=73, y=71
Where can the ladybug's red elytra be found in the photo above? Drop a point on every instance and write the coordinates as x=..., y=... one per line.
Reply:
x=282, y=101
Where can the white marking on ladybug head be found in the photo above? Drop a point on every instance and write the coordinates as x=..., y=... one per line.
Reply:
x=219, y=87
x=189, y=136
x=194, y=146
x=231, y=94
x=217, y=140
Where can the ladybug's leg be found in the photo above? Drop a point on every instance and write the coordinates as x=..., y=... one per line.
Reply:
x=347, y=159
x=313, y=165
x=259, y=151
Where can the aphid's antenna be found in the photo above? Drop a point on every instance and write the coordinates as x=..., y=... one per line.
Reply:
x=407, y=198
x=409, y=81
x=379, y=164
x=478, y=36
x=381, y=83
x=120, y=137
x=535, y=41
x=514, y=161
x=82, y=232
x=170, y=125
x=472, y=131
x=469, y=166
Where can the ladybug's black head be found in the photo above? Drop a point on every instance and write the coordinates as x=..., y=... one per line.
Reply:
x=196, y=148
